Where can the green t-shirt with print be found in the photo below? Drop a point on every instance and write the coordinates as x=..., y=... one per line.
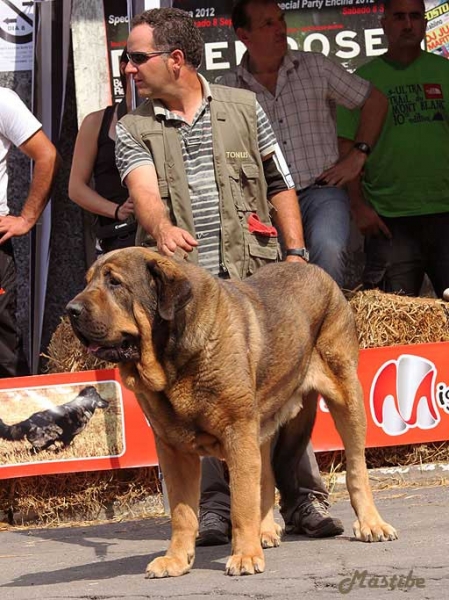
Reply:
x=408, y=171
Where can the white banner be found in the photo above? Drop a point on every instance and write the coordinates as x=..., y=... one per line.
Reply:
x=16, y=35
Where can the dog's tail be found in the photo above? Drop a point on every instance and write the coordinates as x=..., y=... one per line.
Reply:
x=12, y=433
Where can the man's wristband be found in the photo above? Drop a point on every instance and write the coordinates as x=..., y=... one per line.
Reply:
x=302, y=252
x=363, y=147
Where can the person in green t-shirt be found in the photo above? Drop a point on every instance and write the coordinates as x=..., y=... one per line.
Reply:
x=401, y=202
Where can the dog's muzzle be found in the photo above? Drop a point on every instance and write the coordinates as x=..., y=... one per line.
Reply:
x=124, y=349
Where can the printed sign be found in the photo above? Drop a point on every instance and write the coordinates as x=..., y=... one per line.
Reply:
x=117, y=25
x=16, y=35
x=71, y=422
x=89, y=421
x=406, y=391
x=437, y=34
x=348, y=30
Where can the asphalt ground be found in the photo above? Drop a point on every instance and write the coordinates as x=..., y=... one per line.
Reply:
x=107, y=561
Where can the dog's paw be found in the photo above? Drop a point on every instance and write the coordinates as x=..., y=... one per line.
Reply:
x=377, y=531
x=166, y=566
x=271, y=538
x=245, y=564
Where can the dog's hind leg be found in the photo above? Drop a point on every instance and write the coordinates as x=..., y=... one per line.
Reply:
x=182, y=476
x=288, y=456
x=343, y=394
x=242, y=454
x=270, y=531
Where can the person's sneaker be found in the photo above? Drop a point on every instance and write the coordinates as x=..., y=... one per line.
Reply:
x=312, y=518
x=214, y=530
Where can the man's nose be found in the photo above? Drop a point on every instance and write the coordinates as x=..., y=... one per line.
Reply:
x=130, y=69
x=407, y=22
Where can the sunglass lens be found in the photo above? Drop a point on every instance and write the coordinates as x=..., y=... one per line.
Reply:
x=138, y=58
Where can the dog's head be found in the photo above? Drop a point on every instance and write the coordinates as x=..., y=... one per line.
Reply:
x=90, y=393
x=128, y=291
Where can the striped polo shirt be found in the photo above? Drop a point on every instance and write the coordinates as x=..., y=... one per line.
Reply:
x=197, y=151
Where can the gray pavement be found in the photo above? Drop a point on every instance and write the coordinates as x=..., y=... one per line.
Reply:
x=107, y=561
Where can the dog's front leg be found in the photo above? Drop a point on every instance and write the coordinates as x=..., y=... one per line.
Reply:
x=182, y=476
x=244, y=464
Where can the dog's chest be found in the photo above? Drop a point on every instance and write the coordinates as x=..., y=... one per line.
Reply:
x=178, y=421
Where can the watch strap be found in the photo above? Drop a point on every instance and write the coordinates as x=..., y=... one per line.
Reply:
x=302, y=252
x=363, y=147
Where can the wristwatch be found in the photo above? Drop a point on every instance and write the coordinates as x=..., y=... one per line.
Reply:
x=365, y=148
x=302, y=252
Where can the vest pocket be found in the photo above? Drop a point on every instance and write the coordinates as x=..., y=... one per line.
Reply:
x=245, y=188
x=261, y=251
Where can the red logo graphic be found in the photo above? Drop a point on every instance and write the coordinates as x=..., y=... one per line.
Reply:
x=403, y=395
x=433, y=91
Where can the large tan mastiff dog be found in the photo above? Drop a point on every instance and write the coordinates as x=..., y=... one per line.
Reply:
x=217, y=367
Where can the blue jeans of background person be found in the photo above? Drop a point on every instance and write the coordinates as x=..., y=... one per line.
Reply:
x=326, y=221
x=420, y=245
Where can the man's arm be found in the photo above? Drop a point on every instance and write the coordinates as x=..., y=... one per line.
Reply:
x=46, y=163
x=152, y=214
x=287, y=219
x=365, y=217
x=372, y=117
x=287, y=214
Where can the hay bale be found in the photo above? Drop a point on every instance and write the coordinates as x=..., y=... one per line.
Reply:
x=66, y=354
x=392, y=320
x=381, y=320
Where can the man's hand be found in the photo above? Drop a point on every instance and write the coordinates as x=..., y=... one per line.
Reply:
x=125, y=210
x=345, y=170
x=369, y=222
x=13, y=227
x=169, y=238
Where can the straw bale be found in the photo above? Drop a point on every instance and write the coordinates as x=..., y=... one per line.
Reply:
x=66, y=354
x=391, y=320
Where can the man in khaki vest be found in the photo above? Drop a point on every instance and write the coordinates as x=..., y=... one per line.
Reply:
x=205, y=174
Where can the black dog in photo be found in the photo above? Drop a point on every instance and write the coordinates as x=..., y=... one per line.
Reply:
x=59, y=424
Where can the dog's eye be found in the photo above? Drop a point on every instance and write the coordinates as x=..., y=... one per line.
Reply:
x=113, y=281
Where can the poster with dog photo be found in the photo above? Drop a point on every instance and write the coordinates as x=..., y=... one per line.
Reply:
x=61, y=422
x=71, y=422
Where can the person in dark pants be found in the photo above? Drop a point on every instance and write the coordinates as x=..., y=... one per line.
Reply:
x=298, y=91
x=213, y=203
x=401, y=202
x=20, y=128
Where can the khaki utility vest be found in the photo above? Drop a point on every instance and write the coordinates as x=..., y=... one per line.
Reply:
x=238, y=170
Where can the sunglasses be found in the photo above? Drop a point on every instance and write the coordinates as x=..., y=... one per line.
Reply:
x=139, y=58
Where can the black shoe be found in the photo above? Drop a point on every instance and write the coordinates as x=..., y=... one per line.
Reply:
x=312, y=518
x=214, y=530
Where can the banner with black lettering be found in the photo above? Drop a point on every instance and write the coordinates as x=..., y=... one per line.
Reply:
x=16, y=35
x=117, y=25
x=347, y=30
x=437, y=34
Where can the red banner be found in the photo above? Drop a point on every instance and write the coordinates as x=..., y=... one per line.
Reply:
x=89, y=421
x=406, y=397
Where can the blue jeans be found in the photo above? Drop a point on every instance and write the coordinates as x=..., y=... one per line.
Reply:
x=326, y=221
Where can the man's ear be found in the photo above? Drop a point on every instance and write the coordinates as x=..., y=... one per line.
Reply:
x=242, y=35
x=174, y=290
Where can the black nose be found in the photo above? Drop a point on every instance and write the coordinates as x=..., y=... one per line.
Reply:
x=74, y=309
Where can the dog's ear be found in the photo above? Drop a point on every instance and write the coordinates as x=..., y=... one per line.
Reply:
x=173, y=288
